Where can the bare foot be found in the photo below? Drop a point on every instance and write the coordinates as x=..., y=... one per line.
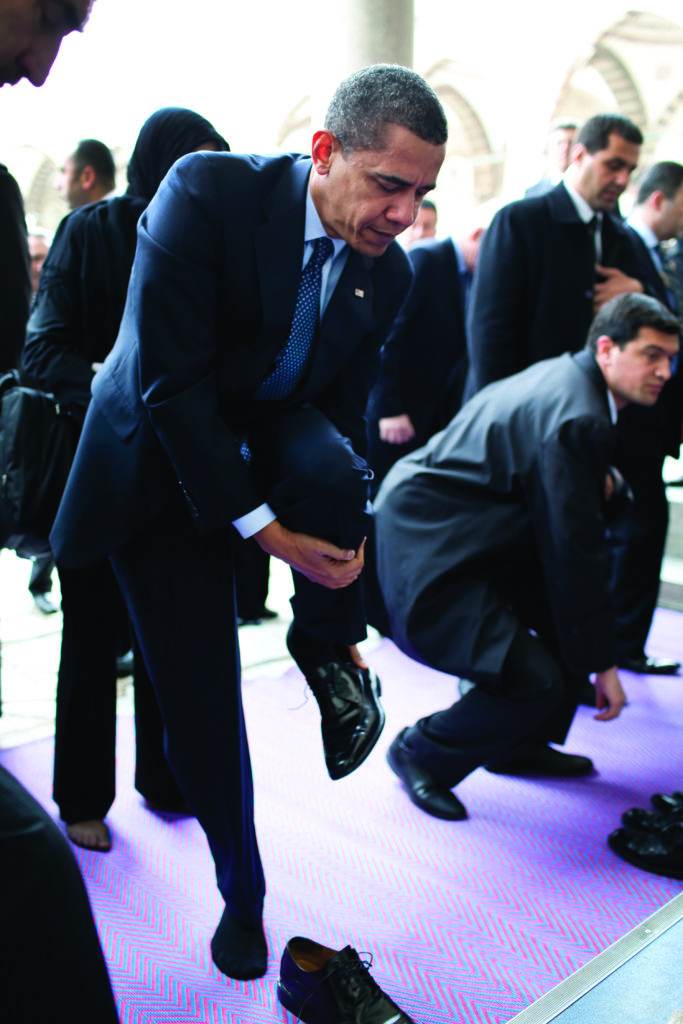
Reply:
x=91, y=835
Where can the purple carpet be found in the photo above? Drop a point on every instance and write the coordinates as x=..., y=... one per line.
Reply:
x=467, y=922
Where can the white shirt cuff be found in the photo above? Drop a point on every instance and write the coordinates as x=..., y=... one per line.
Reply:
x=254, y=521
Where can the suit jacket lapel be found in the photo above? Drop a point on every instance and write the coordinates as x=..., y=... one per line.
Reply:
x=348, y=317
x=279, y=249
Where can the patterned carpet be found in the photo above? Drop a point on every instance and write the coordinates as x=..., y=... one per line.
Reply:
x=467, y=922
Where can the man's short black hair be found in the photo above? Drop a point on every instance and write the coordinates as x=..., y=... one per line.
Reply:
x=427, y=204
x=564, y=126
x=621, y=319
x=595, y=133
x=379, y=95
x=666, y=177
x=93, y=153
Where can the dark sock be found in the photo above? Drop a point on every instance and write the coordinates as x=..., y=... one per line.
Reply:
x=310, y=653
x=239, y=950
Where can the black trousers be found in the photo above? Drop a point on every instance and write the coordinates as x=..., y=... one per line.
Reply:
x=179, y=587
x=95, y=628
x=252, y=570
x=637, y=541
x=51, y=963
x=532, y=699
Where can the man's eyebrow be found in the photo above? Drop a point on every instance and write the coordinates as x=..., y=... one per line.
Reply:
x=395, y=180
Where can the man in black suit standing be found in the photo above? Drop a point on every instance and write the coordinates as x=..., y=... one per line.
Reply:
x=503, y=568
x=646, y=436
x=558, y=154
x=261, y=293
x=548, y=262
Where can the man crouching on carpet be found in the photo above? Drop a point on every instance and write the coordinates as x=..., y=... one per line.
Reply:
x=261, y=293
x=503, y=574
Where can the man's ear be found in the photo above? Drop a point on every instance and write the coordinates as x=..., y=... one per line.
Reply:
x=603, y=349
x=324, y=148
x=87, y=178
x=578, y=153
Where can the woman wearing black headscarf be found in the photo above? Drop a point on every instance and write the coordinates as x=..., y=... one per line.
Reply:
x=72, y=328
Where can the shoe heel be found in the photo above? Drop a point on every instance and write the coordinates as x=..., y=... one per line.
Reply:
x=286, y=999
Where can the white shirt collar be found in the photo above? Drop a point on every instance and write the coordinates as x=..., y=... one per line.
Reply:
x=613, y=411
x=584, y=210
x=644, y=230
x=313, y=227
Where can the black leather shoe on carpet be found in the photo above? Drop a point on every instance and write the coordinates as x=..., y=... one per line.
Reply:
x=44, y=604
x=352, y=716
x=639, y=820
x=543, y=760
x=425, y=792
x=660, y=852
x=668, y=801
x=647, y=666
x=321, y=986
x=239, y=950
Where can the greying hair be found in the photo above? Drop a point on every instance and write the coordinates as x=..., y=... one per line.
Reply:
x=620, y=319
x=380, y=95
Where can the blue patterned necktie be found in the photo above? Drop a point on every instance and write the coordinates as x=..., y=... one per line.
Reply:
x=292, y=358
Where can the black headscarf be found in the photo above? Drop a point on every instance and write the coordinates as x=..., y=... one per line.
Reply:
x=167, y=135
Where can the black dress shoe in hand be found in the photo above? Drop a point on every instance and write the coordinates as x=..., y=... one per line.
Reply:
x=647, y=666
x=425, y=792
x=322, y=986
x=660, y=852
x=639, y=820
x=541, y=759
x=352, y=717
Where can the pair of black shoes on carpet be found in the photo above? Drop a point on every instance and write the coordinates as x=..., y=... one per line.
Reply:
x=415, y=758
x=352, y=716
x=318, y=984
x=653, y=840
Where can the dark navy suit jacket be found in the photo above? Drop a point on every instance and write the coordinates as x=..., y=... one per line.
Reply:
x=532, y=296
x=210, y=304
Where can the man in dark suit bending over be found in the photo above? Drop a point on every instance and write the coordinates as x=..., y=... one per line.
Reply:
x=261, y=293
x=503, y=576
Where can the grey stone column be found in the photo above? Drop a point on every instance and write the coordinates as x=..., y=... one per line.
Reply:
x=358, y=33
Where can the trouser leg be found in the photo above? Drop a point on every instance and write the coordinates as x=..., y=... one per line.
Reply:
x=252, y=569
x=316, y=484
x=51, y=963
x=491, y=720
x=153, y=776
x=85, y=732
x=41, y=574
x=637, y=541
x=179, y=591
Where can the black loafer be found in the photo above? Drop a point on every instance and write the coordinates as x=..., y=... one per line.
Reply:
x=668, y=801
x=648, y=666
x=352, y=716
x=321, y=986
x=660, y=852
x=44, y=604
x=639, y=820
x=543, y=760
x=422, y=788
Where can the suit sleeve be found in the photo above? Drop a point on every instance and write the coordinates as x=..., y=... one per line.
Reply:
x=566, y=498
x=174, y=308
x=499, y=306
x=52, y=358
x=15, y=281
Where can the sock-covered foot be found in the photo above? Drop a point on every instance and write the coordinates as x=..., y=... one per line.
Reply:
x=239, y=950
x=91, y=835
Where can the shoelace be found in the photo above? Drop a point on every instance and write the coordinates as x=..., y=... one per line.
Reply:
x=357, y=970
